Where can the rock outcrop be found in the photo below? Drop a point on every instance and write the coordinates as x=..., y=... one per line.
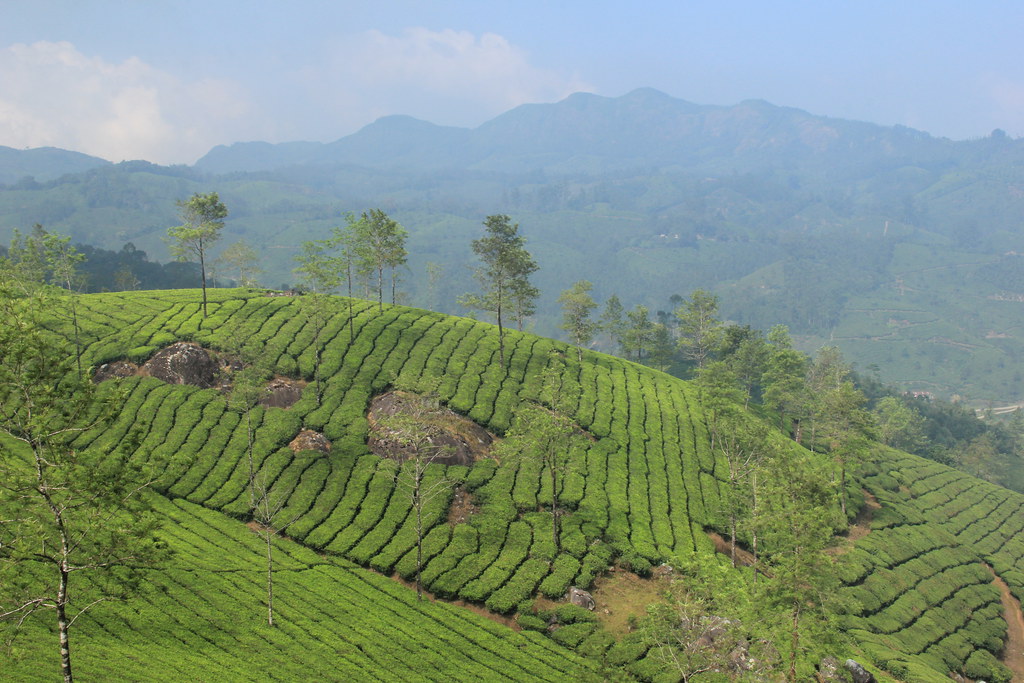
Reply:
x=182, y=363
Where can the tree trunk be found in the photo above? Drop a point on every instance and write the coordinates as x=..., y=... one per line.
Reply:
x=270, y=578
x=202, y=269
x=753, y=514
x=351, y=320
x=74, y=321
x=732, y=536
x=419, y=541
x=252, y=473
x=554, y=506
x=501, y=334
x=794, y=639
x=62, y=622
x=380, y=288
x=842, y=484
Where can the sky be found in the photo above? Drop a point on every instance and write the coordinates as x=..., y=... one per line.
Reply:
x=166, y=81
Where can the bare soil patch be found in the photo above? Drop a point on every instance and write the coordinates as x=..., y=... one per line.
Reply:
x=283, y=392
x=744, y=558
x=115, y=369
x=1013, y=650
x=459, y=440
x=462, y=508
x=861, y=526
x=622, y=597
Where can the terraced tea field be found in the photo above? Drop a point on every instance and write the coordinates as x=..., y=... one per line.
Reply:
x=643, y=489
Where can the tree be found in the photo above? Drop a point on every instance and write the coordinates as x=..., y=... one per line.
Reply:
x=504, y=273
x=269, y=503
x=639, y=332
x=524, y=301
x=242, y=258
x=797, y=524
x=320, y=271
x=248, y=387
x=745, y=351
x=64, y=511
x=662, y=353
x=899, y=425
x=344, y=241
x=379, y=243
x=705, y=624
x=545, y=433
x=125, y=279
x=700, y=331
x=202, y=218
x=612, y=321
x=739, y=437
x=415, y=431
x=43, y=259
x=837, y=409
x=783, y=379
x=577, y=306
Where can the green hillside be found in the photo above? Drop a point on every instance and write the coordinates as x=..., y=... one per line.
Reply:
x=643, y=489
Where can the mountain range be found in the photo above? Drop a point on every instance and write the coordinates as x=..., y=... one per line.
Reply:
x=899, y=247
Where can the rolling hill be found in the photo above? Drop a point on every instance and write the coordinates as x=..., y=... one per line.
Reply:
x=916, y=601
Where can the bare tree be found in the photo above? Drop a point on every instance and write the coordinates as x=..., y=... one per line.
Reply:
x=269, y=504
x=415, y=430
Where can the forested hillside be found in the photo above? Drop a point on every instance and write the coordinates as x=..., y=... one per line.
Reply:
x=898, y=247
x=645, y=471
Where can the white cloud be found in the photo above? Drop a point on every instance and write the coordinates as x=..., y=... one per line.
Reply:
x=447, y=77
x=53, y=95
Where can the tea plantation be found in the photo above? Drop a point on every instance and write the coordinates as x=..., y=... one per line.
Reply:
x=644, y=488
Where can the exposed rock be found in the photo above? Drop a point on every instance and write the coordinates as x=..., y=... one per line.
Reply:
x=282, y=392
x=308, y=440
x=462, y=507
x=859, y=673
x=828, y=670
x=117, y=368
x=456, y=439
x=580, y=597
x=182, y=363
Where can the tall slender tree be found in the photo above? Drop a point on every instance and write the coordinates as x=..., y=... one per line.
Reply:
x=577, y=305
x=503, y=274
x=320, y=270
x=202, y=217
x=612, y=321
x=639, y=332
x=700, y=331
x=379, y=244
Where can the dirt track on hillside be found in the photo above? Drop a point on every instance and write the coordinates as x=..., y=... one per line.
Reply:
x=1013, y=651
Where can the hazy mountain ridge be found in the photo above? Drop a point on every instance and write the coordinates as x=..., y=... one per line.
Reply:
x=43, y=163
x=896, y=245
x=590, y=133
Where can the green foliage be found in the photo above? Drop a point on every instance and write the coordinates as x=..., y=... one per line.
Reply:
x=646, y=479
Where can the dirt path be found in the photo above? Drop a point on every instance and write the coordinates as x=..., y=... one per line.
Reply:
x=1013, y=651
x=860, y=528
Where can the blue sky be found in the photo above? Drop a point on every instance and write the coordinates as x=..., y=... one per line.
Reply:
x=166, y=80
